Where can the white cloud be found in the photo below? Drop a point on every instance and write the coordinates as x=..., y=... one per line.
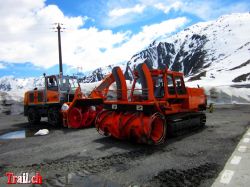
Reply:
x=2, y=66
x=120, y=12
x=117, y=12
x=25, y=37
x=203, y=9
x=164, y=27
x=25, y=33
x=166, y=8
x=122, y=16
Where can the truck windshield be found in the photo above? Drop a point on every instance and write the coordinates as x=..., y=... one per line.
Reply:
x=68, y=83
x=73, y=83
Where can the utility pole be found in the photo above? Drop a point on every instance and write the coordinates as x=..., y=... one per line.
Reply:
x=59, y=48
x=59, y=30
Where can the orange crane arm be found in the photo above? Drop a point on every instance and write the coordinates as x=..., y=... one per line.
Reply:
x=101, y=91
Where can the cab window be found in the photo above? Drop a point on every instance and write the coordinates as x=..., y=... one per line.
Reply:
x=52, y=83
x=73, y=83
x=64, y=84
x=171, y=89
x=180, y=87
x=158, y=87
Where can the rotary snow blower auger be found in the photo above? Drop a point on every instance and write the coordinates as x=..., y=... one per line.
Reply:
x=82, y=111
x=163, y=105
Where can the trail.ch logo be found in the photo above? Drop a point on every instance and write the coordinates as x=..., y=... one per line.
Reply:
x=24, y=178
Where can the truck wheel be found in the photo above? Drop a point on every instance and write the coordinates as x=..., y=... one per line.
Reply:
x=54, y=117
x=33, y=116
x=203, y=120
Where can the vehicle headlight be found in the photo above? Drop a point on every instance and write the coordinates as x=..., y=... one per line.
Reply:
x=65, y=107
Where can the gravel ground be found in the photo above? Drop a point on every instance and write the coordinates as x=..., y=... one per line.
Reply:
x=67, y=157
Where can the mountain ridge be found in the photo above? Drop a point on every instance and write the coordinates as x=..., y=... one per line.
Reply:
x=202, y=51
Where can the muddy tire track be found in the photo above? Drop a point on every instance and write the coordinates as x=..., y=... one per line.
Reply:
x=87, y=165
x=190, y=177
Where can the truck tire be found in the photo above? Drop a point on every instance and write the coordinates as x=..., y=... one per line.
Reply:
x=203, y=120
x=33, y=116
x=54, y=117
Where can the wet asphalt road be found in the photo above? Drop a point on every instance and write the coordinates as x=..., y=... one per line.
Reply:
x=67, y=157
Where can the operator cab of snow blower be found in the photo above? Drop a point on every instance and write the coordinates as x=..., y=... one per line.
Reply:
x=47, y=101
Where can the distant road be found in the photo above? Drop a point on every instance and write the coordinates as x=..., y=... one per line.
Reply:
x=241, y=85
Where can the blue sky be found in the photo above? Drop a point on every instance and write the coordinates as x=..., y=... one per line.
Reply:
x=97, y=33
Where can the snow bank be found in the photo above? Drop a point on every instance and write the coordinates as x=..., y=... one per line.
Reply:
x=228, y=95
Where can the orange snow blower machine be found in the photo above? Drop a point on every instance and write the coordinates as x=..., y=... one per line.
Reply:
x=161, y=105
x=82, y=110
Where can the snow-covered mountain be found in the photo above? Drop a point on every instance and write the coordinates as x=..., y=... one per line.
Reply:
x=17, y=86
x=215, y=52
x=12, y=91
x=210, y=54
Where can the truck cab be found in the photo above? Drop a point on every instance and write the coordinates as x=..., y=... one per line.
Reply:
x=47, y=101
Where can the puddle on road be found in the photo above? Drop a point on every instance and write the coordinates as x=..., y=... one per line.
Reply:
x=18, y=134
